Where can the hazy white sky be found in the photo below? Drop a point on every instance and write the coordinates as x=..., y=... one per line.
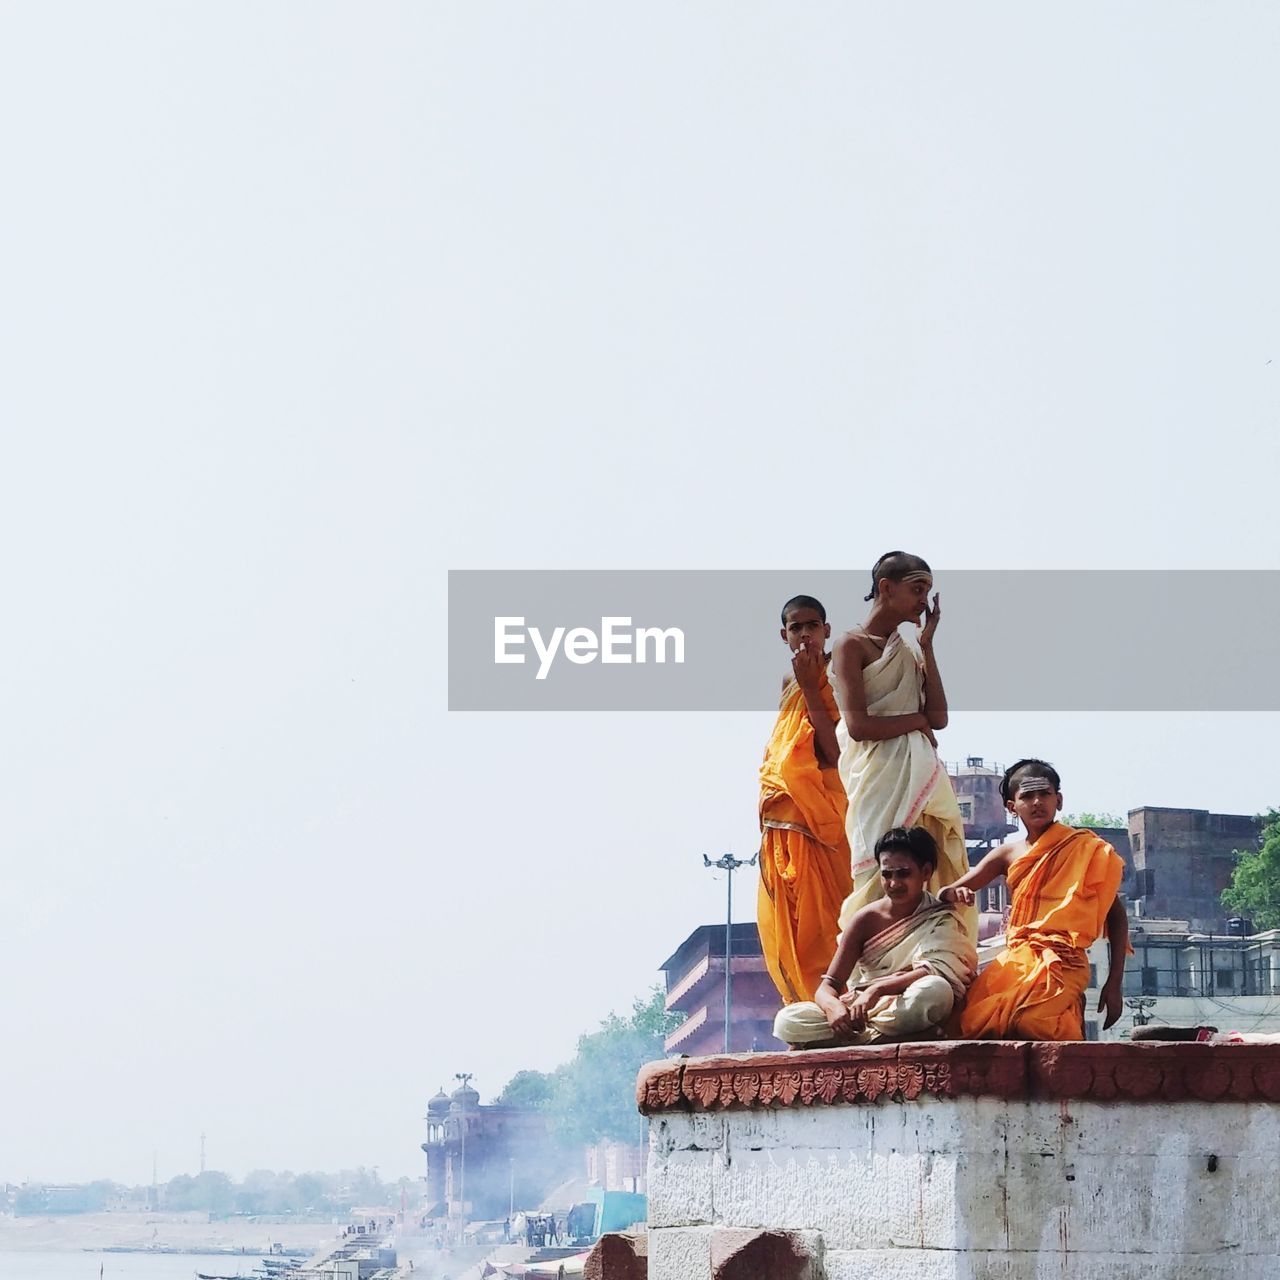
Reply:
x=303, y=305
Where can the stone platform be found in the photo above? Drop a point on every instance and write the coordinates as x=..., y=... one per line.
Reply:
x=990, y=1160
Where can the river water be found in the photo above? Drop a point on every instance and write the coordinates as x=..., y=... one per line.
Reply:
x=72, y=1265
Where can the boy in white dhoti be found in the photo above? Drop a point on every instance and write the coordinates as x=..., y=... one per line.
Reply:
x=891, y=701
x=902, y=963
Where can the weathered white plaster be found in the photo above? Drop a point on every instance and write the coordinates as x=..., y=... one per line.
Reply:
x=979, y=1187
x=902, y=1264
x=680, y=1251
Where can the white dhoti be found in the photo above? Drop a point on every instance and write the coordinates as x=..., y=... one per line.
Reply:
x=899, y=782
x=924, y=1005
x=935, y=939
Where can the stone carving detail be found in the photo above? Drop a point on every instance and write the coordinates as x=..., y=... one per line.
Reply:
x=658, y=1088
x=710, y=1087
x=827, y=1083
x=703, y=1088
x=964, y=1068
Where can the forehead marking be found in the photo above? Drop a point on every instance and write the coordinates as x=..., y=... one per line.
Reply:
x=1030, y=785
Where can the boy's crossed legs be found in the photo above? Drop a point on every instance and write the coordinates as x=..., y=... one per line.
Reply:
x=914, y=1014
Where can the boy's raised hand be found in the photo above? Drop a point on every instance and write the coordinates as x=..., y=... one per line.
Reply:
x=956, y=893
x=931, y=618
x=806, y=664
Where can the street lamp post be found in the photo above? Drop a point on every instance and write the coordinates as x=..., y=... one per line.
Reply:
x=464, y=1077
x=728, y=864
x=1140, y=1006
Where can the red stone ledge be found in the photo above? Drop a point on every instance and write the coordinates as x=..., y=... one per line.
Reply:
x=1012, y=1069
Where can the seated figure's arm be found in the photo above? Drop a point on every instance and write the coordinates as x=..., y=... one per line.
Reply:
x=1111, y=998
x=851, y=699
x=992, y=867
x=894, y=984
x=834, y=981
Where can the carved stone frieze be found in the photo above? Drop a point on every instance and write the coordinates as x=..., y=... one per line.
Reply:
x=1147, y=1071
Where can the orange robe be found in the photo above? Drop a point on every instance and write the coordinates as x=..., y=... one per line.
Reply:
x=1061, y=889
x=804, y=856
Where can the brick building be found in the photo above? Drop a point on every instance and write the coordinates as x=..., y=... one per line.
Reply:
x=1180, y=860
x=987, y=822
x=695, y=987
x=977, y=786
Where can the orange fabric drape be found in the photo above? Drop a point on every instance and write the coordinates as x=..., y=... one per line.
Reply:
x=804, y=854
x=1061, y=889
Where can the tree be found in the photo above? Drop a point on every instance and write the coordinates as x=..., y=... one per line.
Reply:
x=211, y=1191
x=1254, y=890
x=1093, y=820
x=101, y=1193
x=310, y=1189
x=528, y=1089
x=595, y=1092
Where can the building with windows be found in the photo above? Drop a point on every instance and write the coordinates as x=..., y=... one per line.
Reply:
x=1180, y=978
x=977, y=787
x=987, y=823
x=1182, y=859
x=695, y=974
x=483, y=1160
x=1172, y=962
x=619, y=1166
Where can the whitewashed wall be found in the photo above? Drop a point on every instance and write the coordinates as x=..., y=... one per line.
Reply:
x=981, y=1188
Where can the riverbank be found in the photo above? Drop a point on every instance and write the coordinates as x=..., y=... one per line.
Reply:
x=167, y=1232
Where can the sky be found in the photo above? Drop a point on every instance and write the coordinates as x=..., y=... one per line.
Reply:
x=304, y=305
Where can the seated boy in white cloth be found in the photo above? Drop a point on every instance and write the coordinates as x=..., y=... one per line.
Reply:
x=902, y=963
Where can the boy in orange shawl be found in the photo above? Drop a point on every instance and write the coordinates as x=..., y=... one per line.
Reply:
x=1062, y=885
x=804, y=856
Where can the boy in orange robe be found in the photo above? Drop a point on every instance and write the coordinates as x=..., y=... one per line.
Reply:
x=1062, y=885
x=804, y=855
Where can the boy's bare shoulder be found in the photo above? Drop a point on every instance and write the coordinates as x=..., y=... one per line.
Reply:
x=870, y=917
x=1007, y=852
x=857, y=642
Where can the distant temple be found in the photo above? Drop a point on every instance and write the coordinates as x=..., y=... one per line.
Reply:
x=485, y=1161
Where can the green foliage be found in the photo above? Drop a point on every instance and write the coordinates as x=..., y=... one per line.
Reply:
x=528, y=1089
x=211, y=1191
x=592, y=1097
x=1087, y=819
x=595, y=1092
x=261, y=1192
x=1254, y=890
